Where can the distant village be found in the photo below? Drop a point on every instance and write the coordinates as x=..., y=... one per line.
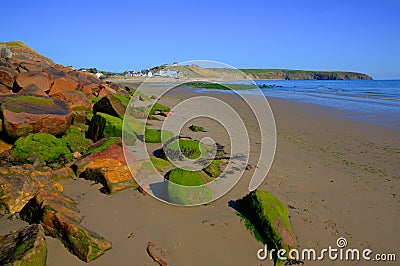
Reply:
x=159, y=71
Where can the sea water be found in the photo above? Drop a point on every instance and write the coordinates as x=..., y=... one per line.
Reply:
x=376, y=101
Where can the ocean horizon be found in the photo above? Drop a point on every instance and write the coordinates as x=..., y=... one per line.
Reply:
x=375, y=101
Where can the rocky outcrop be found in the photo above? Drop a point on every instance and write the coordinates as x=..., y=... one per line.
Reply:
x=109, y=168
x=61, y=219
x=19, y=184
x=26, y=246
x=24, y=114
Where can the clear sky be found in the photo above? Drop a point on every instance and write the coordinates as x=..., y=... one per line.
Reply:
x=118, y=35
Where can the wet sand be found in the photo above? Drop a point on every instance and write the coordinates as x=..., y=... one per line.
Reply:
x=339, y=177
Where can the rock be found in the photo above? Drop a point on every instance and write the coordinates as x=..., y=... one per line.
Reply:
x=34, y=90
x=75, y=140
x=41, y=149
x=4, y=146
x=73, y=98
x=190, y=190
x=63, y=84
x=109, y=168
x=61, y=219
x=104, y=125
x=195, y=128
x=26, y=246
x=6, y=53
x=112, y=104
x=31, y=114
x=56, y=72
x=159, y=108
x=40, y=79
x=155, y=135
x=269, y=218
x=18, y=185
x=7, y=76
x=158, y=254
x=4, y=89
x=91, y=90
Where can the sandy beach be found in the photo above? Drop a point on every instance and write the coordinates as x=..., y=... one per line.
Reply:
x=339, y=178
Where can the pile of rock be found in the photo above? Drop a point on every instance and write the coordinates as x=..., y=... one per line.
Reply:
x=55, y=123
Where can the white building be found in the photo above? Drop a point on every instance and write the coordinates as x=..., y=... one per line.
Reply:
x=167, y=73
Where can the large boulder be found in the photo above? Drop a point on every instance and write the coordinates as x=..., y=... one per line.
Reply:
x=7, y=76
x=267, y=217
x=73, y=98
x=32, y=89
x=186, y=187
x=61, y=219
x=26, y=246
x=18, y=185
x=40, y=79
x=42, y=149
x=24, y=114
x=4, y=89
x=63, y=84
x=104, y=125
x=109, y=168
x=112, y=104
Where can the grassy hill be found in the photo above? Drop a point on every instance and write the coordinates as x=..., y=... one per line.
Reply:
x=195, y=71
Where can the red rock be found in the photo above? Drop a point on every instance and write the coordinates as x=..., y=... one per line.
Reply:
x=4, y=89
x=109, y=168
x=158, y=254
x=63, y=84
x=61, y=219
x=7, y=76
x=32, y=114
x=32, y=89
x=18, y=185
x=73, y=98
x=40, y=79
x=106, y=91
x=92, y=89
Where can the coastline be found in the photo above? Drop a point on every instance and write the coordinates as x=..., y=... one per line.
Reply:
x=318, y=171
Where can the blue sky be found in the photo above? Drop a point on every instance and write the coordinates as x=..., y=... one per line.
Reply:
x=118, y=35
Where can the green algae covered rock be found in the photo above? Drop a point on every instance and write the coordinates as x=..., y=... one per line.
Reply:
x=213, y=169
x=191, y=149
x=190, y=191
x=26, y=246
x=267, y=218
x=42, y=148
x=75, y=140
x=159, y=108
x=154, y=135
x=112, y=104
x=104, y=125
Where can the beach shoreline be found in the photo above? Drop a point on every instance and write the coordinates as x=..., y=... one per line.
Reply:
x=339, y=178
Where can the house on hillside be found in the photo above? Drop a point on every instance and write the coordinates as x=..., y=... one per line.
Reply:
x=167, y=73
